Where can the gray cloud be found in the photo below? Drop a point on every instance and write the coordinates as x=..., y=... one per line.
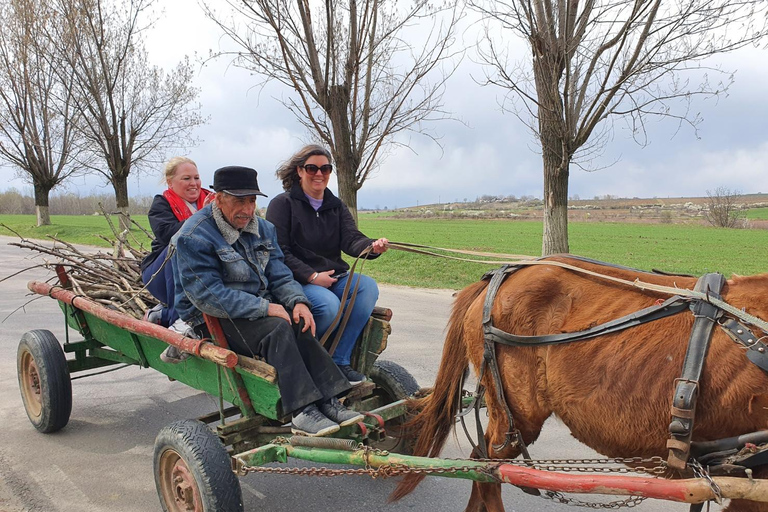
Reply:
x=487, y=153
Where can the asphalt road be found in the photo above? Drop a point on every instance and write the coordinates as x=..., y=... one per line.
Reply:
x=102, y=460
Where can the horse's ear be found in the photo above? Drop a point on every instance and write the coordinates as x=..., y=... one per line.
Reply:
x=733, y=279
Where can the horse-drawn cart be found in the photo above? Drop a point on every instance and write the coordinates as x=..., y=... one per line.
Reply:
x=196, y=462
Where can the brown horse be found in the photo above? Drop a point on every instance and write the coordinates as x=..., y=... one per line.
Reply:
x=614, y=392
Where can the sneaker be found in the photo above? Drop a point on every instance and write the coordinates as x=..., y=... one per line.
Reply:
x=311, y=422
x=340, y=414
x=352, y=376
x=154, y=315
x=173, y=355
x=183, y=328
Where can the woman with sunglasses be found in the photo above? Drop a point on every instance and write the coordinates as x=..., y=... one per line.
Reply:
x=313, y=228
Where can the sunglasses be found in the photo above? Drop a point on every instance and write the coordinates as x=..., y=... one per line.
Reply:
x=312, y=169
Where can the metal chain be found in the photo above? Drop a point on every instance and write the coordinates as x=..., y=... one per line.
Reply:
x=702, y=472
x=559, y=497
x=659, y=467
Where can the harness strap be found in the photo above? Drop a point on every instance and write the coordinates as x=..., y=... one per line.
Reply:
x=669, y=307
x=757, y=351
x=687, y=386
x=490, y=361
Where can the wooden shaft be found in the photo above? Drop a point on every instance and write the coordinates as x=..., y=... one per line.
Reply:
x=693, y=490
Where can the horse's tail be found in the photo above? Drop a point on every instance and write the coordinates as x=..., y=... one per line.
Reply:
x=435, y=418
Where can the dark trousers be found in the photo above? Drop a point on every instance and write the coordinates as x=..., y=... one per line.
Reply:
x=162, y=287
x=305, y=371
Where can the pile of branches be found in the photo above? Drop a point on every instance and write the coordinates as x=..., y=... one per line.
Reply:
x=111, y=278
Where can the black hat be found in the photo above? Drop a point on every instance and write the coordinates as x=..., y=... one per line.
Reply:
x=237, y=181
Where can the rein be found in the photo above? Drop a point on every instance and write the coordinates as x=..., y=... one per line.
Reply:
x=516, y=260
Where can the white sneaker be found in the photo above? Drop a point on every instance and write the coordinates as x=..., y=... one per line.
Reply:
x=183, y=328
x=172, y=354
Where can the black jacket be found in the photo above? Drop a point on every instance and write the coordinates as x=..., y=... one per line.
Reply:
x=164, y=225
x=312, y=241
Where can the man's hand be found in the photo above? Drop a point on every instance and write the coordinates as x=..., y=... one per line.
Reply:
x=278, y=311
x=302, y=312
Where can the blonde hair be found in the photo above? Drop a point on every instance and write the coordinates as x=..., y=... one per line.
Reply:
x=173, y=164
x=287, y=172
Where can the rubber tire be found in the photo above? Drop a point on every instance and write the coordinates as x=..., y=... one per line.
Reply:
x=206, y=459
x=395, y=383
x=48, y=404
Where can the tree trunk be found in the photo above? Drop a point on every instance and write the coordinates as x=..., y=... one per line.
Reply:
x=555, y=238
x=555, y=154
x=41, y=204
x=347, y=185
x=343, y=153
x=43, y=217
x=556, y=170
x=120, y=184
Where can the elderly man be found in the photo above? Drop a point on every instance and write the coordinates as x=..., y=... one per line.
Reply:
x=228, y=264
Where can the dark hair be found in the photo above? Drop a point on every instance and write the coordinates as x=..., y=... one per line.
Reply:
x=287, y=171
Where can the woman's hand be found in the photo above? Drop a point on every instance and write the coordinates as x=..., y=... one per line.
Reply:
x=380, y=246
x=324, y=279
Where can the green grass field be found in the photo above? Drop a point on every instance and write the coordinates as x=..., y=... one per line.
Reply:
x=757, y=214
x=669, y=247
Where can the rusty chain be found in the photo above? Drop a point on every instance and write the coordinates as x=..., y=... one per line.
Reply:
x=598, y=465
x=559, y=497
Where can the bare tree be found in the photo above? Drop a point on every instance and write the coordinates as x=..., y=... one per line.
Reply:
x=724, y=209
x=594, y=61
x=132, y=112
x=357, y=82
x=36, y=117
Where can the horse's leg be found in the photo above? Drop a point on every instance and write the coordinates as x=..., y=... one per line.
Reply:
x=484, y=497
x=487, y=497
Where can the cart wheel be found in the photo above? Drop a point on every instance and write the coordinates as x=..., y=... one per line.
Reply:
x=393, y=382
x=44, y=380
x=193, y=470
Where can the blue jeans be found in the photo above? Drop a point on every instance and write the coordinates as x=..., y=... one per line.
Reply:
x=326, y=303
x=162, y=287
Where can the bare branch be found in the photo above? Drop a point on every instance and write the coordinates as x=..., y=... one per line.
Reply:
x=356, y=80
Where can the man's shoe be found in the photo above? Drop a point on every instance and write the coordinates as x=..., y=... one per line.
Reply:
x=311, y=422
x=173, y=355
x=352, y=376
x=154, y=314
x=340, y=414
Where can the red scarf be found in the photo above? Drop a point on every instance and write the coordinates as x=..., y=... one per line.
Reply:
x=179, y=206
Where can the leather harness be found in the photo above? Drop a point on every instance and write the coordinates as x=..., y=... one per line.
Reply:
x=686, y=387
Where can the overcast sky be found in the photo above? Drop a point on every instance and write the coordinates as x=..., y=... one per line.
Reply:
x=488, y=153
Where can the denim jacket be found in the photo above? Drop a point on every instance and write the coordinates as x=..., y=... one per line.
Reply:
x=228, y=273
